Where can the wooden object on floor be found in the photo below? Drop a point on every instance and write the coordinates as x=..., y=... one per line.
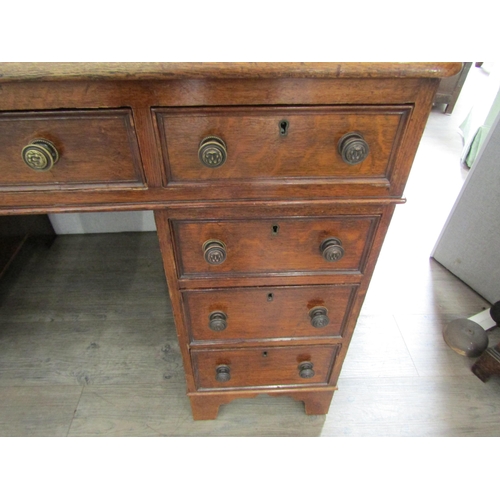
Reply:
x=265, y=177
x=488, y=364
x=449, y=89
x=14, y=231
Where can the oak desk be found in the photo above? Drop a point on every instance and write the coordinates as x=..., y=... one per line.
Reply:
x=273, y=186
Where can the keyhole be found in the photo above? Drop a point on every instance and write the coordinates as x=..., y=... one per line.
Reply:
x=264, y=354
x=270, y=297
x=275, y=229
x=284, y=125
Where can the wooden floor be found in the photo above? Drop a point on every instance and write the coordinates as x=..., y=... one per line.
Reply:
x=88, y=345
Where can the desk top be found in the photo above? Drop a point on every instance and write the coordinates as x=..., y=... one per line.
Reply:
x=14, y=71
x=108, y=125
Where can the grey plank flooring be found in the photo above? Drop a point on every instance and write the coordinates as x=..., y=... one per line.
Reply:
x=38, y=411
x=88, y=345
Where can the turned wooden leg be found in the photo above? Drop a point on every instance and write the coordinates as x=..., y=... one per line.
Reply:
x=488, y=364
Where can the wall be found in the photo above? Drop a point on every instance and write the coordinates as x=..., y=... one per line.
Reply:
x=107, y=222
x=469, y=244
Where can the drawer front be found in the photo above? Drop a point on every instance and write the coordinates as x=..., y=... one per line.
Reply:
x=280, y=143
x=267, y=246
x=94, y=148
x=274, y=366
x=268, y=312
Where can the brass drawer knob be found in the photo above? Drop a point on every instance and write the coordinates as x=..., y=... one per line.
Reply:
x=319, y=317
x=214, y=252
x=212, y=152
x=306, y=370
x=40, y=155
x=222, y=373
x=353, y=148
x=217, y=321
x=332, y=249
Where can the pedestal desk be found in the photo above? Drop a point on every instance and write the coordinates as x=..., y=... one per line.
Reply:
x=272, y=186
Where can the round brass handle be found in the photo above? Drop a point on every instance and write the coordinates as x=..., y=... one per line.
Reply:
x=214, y=252
x=353, y=148
x=332, y=249
x=222, y=373
x=212, y=152
x=40, y=155
x=306, y=370
x=217, y=321
x=319, y=317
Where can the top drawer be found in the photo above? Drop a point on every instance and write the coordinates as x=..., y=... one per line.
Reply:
x=277, y=143
x=89, y=148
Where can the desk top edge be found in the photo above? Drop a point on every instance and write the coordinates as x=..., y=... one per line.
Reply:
x=45, y=71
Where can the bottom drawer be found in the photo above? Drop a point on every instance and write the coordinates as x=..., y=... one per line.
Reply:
x=273, y=366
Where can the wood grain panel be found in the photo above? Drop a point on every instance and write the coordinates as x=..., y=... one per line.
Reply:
x=41, y=95
x=53, y=71
x=257, y=150
x=254, y=248
x=96, y=148
x=267, y=312
x=273, y=366
x=16, y=202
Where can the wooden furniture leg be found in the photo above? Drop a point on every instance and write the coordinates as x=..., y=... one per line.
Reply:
x=205, y=405
x=488, y=364
x=16, y=229
x=315, y=402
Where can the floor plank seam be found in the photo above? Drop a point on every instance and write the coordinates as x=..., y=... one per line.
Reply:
x=408, y=350
x=74, y=413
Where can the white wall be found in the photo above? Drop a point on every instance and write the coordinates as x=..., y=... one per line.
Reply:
x=469, y=245
x=105, y=222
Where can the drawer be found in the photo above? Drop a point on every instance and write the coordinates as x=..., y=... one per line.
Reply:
x=90, y=149
x=268, y=312
x=280, y=143
x=273, y=246
x=274, y=366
